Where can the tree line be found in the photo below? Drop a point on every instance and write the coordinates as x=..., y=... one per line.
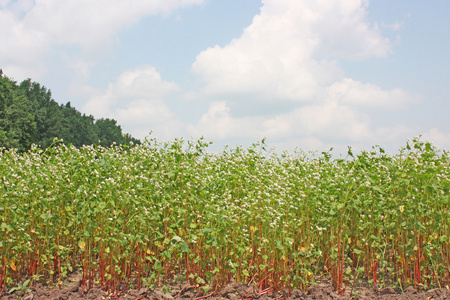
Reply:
x=29, y=115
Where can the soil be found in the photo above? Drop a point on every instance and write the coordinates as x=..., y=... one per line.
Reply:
x=73, y=290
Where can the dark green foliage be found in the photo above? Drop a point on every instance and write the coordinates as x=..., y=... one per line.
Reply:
x=108, y=132
x=17, y=125
x=29, y=115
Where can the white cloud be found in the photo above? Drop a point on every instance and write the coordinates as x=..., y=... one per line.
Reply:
x=31, y=29
x=144, y=81
x=394, y=136
x=284, y=52
x=342, y=29
x=440, y=139
x=330, y=121
x=217, y=123
x=21, y=46
x=136, y=100
x=291, y=52
x=94, y=22
x=144, y=115
x=355, y=93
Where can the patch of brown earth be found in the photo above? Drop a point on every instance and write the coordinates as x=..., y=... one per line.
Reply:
x=234, y=291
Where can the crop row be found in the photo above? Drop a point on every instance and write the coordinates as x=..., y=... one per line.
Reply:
x=152, y=212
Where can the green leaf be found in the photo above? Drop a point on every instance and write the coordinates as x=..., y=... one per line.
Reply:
x=177, y=239
x=157, y=265
x=200, y=280
x=6, y=227
x=184, y=247
x=26, y=282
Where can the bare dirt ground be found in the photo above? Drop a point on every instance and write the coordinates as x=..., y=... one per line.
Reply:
x=73, y=290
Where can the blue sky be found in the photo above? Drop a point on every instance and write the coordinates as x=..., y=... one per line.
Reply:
x=312, y=74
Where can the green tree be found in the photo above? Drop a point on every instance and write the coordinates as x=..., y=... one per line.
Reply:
x=76, y=128
x=48, y=115
x=128, y=139
x=108, y=132
x=17, y=122
x=28, y=115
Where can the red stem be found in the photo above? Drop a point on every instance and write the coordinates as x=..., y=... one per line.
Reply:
x=418, y=260
x=207, y=296
x=261, y=282
x=374, y=270
x=252, y=278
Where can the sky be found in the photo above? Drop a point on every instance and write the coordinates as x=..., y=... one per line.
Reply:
x=308, y=74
